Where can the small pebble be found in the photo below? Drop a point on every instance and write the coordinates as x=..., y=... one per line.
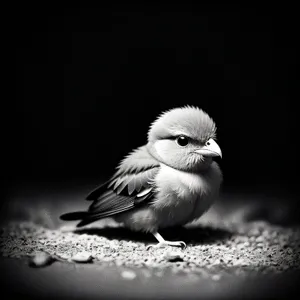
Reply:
x=82, y=257
x=216, y=277
x=128, y=275
x=173, y=256
x=260, y=239
x=41, y=259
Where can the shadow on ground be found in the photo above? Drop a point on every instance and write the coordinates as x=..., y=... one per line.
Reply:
x=195, y=235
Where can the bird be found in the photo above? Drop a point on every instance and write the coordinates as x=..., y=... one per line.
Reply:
x=170, y=181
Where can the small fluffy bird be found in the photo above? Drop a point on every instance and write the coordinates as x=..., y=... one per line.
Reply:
x=170, y=181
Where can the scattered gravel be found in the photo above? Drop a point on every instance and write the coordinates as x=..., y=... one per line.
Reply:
x=248, y=248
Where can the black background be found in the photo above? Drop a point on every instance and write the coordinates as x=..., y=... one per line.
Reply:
x=89, y=81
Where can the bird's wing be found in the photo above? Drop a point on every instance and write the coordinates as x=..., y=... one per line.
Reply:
x=132, y=185
x=123, y=192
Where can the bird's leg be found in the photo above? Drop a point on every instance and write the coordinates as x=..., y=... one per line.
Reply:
x=163, y=243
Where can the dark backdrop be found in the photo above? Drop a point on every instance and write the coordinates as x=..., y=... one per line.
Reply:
x=90, y=81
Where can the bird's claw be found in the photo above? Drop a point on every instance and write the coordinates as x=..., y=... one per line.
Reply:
x=168, y=243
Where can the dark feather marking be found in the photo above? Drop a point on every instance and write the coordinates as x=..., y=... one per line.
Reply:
x=95, y=217
x=104, y=201
x=122, y=186
x=112, y=183
x=125, y=196
x=110, y=202
x=121, y=192
x=98, y=191
x=119, y=181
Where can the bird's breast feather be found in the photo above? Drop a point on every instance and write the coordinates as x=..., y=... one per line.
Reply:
x=186, y=183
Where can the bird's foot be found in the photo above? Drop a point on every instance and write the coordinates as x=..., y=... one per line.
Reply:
x=164, y=244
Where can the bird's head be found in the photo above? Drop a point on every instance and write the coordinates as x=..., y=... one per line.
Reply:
x=184, y=138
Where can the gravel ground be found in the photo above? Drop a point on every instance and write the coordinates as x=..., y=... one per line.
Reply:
x=213, y=250
x=227, y=245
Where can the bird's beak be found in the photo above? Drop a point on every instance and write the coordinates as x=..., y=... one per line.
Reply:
x=211, y=148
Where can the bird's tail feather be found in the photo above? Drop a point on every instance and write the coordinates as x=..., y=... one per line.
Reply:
x=84, y=217
x=74, y=216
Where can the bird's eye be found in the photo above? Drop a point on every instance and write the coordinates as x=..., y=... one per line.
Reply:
x=182, y=141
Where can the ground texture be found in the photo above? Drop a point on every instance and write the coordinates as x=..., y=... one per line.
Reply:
x=224, y=250
x=214, y=251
